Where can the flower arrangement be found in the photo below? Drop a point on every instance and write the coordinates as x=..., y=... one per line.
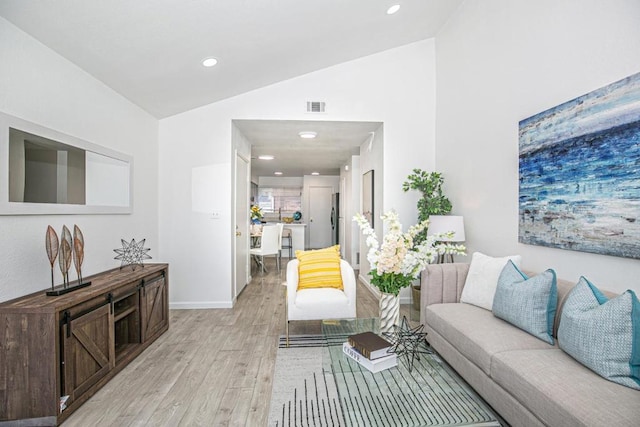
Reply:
x=400, y=258
x=256, y=213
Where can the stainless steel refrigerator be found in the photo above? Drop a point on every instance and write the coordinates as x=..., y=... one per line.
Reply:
x=335, y=218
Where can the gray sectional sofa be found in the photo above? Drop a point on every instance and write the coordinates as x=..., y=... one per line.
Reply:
x=527, y=381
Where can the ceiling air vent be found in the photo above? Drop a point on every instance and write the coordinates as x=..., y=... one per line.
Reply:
x=315, y=107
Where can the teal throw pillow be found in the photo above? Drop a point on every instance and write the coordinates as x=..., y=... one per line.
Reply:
x=603, y=334
x=527, y=302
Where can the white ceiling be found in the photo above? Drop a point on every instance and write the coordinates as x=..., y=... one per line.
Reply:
x=150, y=51
x=333, y=146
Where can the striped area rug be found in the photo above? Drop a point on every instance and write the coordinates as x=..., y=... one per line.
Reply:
x=305, y=392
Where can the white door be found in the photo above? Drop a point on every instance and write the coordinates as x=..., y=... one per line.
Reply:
x=320, y=217
x=241, y=224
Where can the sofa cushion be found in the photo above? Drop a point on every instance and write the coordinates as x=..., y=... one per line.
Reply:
x=477, y=333
x=602, y=333
x=482, y=279
x=320, y=303
x=562, y=392
x=527, y=302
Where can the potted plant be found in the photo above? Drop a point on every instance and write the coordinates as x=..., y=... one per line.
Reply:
x=399, y=260
x=432, y=202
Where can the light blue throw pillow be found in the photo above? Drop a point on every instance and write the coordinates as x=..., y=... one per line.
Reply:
x=528, y=303
x=603, y=334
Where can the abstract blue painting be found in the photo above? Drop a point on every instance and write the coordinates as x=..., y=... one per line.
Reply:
x=580, y=173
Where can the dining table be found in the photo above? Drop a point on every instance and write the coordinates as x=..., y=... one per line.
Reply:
x=255, y=234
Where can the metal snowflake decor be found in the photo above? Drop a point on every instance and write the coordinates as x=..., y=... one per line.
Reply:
x=132, y=253
x=408, y=342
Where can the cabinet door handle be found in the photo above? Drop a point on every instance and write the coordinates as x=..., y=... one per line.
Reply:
x=110, y=300
x=66, y=320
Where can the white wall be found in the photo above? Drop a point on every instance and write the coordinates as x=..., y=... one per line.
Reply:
x=498, y=62
x=280, y=181
x=38, y=85
x=395, y=87
x=372, y=157
x=350, y=205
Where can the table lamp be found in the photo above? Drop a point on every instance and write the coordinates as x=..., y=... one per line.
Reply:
x=444, y=224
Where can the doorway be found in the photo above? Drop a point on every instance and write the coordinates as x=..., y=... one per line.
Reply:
x=320, y=230
x=242, y=180
x=281, y=157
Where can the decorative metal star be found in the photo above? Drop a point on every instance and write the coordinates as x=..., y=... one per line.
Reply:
x=407, y=341
x=132, y=253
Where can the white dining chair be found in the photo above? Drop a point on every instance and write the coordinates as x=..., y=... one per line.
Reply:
x=280, y=233
x=269, y=244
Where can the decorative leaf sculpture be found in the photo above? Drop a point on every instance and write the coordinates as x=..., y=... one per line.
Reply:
x=66, y=235
x=78, y=251
x=65, y=259
x=51, y=243
x=78, y=255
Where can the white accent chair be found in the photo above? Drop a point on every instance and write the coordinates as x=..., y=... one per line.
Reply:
x=269, y=244
x=320, y=303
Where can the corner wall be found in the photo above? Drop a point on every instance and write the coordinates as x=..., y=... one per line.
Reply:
x=38, y=85
x=498, y=62
x=395, y=87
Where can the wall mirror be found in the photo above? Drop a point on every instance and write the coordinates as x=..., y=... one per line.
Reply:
x=47, y=172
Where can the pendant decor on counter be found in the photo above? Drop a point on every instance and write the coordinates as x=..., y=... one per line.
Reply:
x=65, y=249
x=389, y=312
x=132, y=253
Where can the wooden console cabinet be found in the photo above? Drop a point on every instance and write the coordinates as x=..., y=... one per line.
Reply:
x=54, y=348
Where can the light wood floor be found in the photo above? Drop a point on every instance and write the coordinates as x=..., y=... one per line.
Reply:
x=212, y=368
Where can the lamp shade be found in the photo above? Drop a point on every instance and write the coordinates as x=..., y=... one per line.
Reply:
x=446, y=223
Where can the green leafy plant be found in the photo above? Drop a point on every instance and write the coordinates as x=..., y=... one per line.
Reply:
x=433, y=201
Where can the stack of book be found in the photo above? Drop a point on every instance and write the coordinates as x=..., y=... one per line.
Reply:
x=370, y=351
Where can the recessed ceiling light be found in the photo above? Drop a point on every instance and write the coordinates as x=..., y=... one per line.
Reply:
x=209, y=62
x=266, y=157
x=393, y=9
x=277, y=173
x=308, y=134
x=315, y=173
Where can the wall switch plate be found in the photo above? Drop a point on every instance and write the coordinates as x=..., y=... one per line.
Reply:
x=215, y=215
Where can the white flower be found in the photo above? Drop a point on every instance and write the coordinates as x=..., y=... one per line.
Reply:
x=398, y=254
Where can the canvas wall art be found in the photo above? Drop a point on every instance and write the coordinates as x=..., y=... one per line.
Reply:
x=580, y=173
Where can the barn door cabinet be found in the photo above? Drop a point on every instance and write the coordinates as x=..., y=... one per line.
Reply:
x=56, y=352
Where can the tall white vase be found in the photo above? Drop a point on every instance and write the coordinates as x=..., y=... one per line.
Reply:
x=389, y=312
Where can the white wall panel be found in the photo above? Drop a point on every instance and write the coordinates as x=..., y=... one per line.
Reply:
x=498, y=62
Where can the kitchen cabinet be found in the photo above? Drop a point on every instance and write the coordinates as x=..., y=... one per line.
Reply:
x=57, y=351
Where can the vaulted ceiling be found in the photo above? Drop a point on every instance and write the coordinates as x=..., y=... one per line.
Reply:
x=150, y=51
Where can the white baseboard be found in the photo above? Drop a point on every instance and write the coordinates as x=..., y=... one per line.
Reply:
x=199, y=305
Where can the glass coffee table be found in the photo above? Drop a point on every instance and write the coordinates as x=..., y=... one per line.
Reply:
x=431, y=394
